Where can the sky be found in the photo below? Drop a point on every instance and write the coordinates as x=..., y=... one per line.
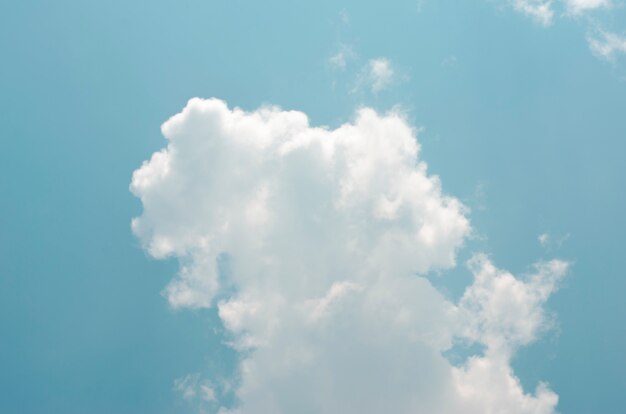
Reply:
x=408, y=206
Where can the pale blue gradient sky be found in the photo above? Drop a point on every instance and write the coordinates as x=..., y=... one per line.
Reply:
x=522, y=122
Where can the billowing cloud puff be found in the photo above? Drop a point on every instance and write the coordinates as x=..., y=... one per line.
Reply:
x=313, y=245
x=282, y=198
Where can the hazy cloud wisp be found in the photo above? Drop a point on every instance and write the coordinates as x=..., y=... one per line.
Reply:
x=378, y=74
x=607, y=45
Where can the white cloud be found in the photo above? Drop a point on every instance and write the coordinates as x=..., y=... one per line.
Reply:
x=607, y=45
x=261, y=182
x=329, y=234
x=543, y=239
x=577, y=7
x=503, y=312
x=540, y=10
x=377, y=75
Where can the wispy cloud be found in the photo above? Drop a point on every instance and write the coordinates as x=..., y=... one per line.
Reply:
x=607, y=45
x=187, y=386
x=449, y=61
x=377, y=75
x=540, y=10
x=549, y=242
x=577, y=7
x=340, y=59
x=191, y=387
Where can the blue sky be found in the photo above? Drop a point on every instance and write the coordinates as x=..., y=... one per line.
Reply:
x=521, y=117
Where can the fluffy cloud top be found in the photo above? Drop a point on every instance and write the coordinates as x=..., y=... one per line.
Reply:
x=313, y=243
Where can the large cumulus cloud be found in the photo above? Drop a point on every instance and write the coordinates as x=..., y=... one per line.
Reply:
x=313, y=245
